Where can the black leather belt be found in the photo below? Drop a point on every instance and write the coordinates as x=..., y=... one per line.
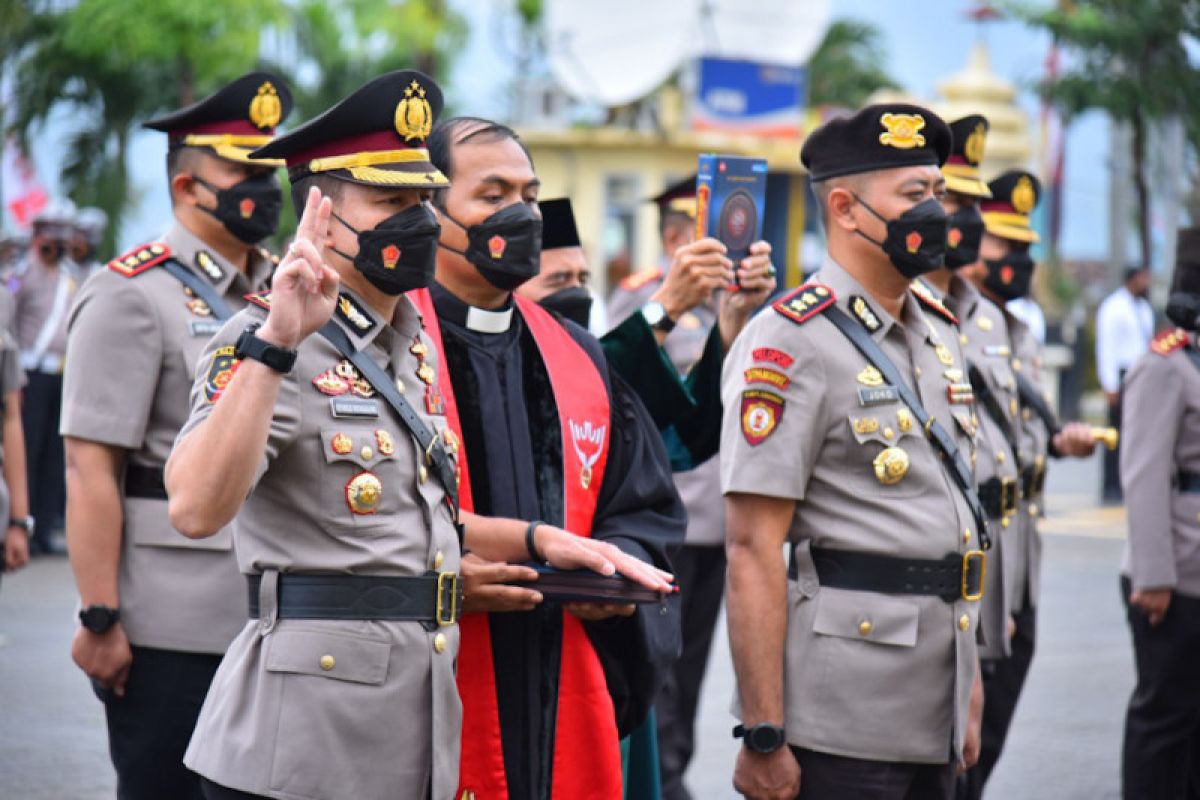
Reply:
x=999, y=497
x=433, y=599
x=957, y=576
x=145, y=482
x=1033, y=481
x=1188, y=482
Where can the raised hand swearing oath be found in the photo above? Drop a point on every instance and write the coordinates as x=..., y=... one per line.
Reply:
x=304, y=290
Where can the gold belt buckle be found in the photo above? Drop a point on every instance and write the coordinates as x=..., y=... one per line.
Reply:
x=1008, y=496
x=447, y=594
x=968, y=556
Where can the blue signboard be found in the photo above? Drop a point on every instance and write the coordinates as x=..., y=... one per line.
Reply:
x=749, y=97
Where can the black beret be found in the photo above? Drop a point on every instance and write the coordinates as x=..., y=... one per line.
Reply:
x=558, y=224
x=1187, y=262
x=1015, y=195
x=375, y=137
x=884, y=136
x=232, y=121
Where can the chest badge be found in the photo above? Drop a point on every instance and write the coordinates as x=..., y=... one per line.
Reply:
x=891, y=465
x=199, y=307
x=586, y=437
x=341, y=444
x=984, y=323
x=944, y=355
x=870, y=376
x=363, y=493
x=904, y=419
x=383, y=441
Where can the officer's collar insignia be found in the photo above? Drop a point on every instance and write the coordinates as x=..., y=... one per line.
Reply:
x=266, y=110
x=140, y=259
x=1023, y=197
x=973, y=149
x=355, y=317
x=922, y=293
x=414, y=117
x=261, y=299
x=870, y=376
x=902, y=131
x=805, y=302
x=1169, y=341
x=864, y=312
x=209, y=266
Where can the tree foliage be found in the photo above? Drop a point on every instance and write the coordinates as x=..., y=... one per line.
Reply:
x=847, y=67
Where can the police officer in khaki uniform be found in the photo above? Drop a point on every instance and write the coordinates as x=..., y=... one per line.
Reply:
x=158, y=609
x=863, y=669
x=1160, y=576
x=1004, y=272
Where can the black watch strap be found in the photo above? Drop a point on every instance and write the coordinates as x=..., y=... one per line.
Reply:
x=763, y=738
x=99, y=619
x=277, y=358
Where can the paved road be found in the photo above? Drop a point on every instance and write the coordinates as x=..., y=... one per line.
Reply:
x=1066, y=736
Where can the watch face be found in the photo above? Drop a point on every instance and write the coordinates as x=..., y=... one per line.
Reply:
x=764, y=738
x=654, y=313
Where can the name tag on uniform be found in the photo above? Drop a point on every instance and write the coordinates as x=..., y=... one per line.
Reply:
x=877, y=395
x=354, y=407
x=205, y=327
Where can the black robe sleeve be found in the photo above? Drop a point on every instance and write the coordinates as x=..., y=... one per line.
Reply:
x=639, y=511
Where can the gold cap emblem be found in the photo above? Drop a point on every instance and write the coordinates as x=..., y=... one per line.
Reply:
x=1023, y=197
x=973, y=149
x=265, y=108
x=414, y=117
x=902, y=131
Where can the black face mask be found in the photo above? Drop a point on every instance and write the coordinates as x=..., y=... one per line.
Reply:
x=916, y=240
x=964, y=232
x=249, y=209
x=1009, y=277
x=574, y=303
x=506, y=247
x=1183, y=308
x=398, y=254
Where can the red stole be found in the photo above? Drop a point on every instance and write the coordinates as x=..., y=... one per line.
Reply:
x=587, y=757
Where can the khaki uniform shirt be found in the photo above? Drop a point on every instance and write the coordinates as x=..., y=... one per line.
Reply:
x=135, y=343
x=1035, y=448
x=334, y=709
x=868, y=675
x=1160, y=436
x=983, y=333
x=35, y=292
x=699, y=488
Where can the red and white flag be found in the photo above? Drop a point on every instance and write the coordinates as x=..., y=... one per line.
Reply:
x=24, y=195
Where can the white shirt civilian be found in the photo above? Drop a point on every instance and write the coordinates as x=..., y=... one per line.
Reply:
x=1124, y=328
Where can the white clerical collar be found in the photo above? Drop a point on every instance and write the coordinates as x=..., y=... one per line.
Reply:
x=484, y=321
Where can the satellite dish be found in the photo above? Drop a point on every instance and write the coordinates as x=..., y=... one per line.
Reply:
x=617, y=51
x=784, y=32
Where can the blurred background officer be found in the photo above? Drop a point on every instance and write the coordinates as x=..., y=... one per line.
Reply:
x=1160, y=576
x=1124, y=327
x=160, y=609
x=12, y=251
x=44, y=287
x=14, y=493
x=86, y=236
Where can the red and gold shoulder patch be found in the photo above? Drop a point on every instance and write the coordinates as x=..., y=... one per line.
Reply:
x=641, y=278
x=140, y=259
x=927, y=299
x=773, y=356
x=261, y=299
x=220, y=372
x=767, y=375
x=1169, y=341
x=805, y=302
x=761, y=413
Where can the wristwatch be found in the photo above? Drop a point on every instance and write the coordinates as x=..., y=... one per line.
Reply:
x=277, y=358
x=656, y=317
x=763, y=738
x=99, y=619
x=25, y=524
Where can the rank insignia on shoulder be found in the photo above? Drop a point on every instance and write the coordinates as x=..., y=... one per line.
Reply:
x=865, y=314
x=761, y=413
x=805, y=302
x=773, y=356
x=354, y=315
x=140, y=259
x=641, y=278
x=209, y=266
x=1169, y=341
x=767, y=375
x=922, y=293
x=220, y=372
x=261, y=299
